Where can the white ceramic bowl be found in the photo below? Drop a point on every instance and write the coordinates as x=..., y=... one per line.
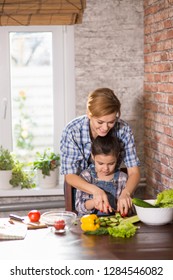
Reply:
x=154, y=216
x=50, y=217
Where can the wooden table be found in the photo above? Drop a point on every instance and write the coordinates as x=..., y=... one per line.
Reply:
x=149, y=243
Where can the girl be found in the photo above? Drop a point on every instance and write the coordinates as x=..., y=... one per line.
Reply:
x=102, y=173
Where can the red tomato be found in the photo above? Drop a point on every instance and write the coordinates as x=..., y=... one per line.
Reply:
x=59, y=224
x=34, y=216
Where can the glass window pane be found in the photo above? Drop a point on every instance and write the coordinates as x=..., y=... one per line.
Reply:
x=31, y=92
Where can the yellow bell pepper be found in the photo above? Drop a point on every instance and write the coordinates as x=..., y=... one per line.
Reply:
x=89, y=222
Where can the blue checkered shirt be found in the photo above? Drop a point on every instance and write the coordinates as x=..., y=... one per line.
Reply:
x=75, y=146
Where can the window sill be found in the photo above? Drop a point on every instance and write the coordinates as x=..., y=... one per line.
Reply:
x=59, y=190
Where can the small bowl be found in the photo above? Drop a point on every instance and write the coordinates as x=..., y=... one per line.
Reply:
x=154, y=216
x=49, y=218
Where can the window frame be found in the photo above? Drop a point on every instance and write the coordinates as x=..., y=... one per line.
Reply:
x=63, y=79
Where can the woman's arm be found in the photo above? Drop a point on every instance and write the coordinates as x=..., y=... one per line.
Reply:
x=99, y=196
x=124, y=200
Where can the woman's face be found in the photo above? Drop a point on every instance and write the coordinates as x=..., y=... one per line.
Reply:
x=105, y=164
x=101, y=126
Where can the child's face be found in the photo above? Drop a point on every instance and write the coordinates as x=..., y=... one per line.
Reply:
x=105, y=164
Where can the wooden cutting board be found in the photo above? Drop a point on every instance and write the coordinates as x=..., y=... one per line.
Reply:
x=38, y=224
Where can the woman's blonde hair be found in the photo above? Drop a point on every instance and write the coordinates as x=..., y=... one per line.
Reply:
x=103, y=102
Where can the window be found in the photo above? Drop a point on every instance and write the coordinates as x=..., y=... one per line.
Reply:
x=31, y=92
x=37, y=96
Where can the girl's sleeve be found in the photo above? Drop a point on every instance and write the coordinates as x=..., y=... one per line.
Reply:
x=121, y=182
x=82, y=197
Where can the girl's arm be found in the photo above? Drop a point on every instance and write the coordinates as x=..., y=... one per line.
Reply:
x=89, y=204
x=99, y=196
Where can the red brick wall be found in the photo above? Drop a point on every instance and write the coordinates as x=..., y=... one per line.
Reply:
x=158, y=93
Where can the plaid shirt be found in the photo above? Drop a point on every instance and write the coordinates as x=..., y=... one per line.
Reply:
x=113, y=187
x=75, y=146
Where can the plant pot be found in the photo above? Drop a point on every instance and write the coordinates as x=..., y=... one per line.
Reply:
x=5, y=177
x=48, y=182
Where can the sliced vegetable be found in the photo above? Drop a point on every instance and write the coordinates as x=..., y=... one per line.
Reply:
x=115, y=226
x=132, y=219
x=110, y=220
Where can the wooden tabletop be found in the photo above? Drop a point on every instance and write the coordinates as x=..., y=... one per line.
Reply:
x=149, y=243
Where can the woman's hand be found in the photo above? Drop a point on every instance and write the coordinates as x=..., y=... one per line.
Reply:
x=124, y=203
x=101, y=201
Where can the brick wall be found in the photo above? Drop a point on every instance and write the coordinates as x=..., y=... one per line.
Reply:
x=109, y=53
x=158, y=93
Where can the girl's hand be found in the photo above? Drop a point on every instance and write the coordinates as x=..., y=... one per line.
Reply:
x=101, y=201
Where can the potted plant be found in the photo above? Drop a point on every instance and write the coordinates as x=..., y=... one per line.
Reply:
x=47, y=166
x=12, y=173
x=21, y=178
x=6, y=166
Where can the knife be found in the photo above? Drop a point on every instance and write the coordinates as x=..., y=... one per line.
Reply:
x=22, y=220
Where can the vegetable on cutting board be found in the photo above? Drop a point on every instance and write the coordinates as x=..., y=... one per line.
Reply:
x=34, y=216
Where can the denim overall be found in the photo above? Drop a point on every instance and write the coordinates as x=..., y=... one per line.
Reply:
x=108, y=186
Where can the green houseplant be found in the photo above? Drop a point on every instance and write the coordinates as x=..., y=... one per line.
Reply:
x=12, y=173
x=46, y=161
x=6, y=165
x=21, y=178
x=6, y=159
x=47, y=166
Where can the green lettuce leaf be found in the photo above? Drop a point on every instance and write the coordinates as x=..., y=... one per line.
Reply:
x=123, y=230
x=165, y=198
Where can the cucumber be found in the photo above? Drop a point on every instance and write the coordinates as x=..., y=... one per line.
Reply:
x=132, y=219
x=141, y=203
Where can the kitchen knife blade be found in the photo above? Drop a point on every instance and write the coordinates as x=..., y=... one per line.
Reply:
x=22, y=220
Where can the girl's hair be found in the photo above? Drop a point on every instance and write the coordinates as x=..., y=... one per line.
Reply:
x=103, y=102
x=106, y=145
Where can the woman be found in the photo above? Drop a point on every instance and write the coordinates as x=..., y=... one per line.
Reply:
x=103, y=115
